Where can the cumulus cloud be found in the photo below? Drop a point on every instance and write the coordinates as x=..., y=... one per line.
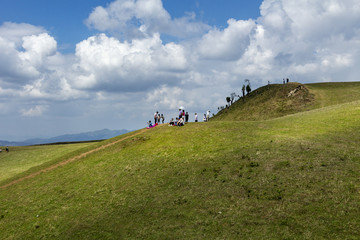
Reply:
x=227, y=44
x=37, y=47
x=23, y=56
x=14, y=32
x=305, y=39
x=286, y=40
x=106, y=63
x=14, y=68
x=140, y=18
x=30, y=65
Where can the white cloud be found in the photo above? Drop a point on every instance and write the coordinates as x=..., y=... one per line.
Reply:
x=37, y=47
x=35, y=111
x=164, y=97
x=317, y=20
x=336, y=60
x=308, y=40
x=170, y=57
x=309, y=68
x=291, y=38
x=228, y=44
x=13, y=70
x=24, y=50
x=31, y=67
x=275, y=17
x=126, y=66
x=14, y=32
x=140, y=18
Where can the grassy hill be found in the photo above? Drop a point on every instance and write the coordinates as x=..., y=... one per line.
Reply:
x=292, y=177
x=276, y=100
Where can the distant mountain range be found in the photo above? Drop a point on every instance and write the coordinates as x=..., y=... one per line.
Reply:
x=86, y=136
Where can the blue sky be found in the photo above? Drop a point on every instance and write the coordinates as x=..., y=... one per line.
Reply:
x=74, y=66
x=215, y=12
x=65, y=19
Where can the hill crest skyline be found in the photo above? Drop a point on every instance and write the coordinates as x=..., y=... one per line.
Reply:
x=83, y=136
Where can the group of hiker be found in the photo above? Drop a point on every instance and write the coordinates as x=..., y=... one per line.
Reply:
x=286, y=80
x=182, y=118
x=158, y=118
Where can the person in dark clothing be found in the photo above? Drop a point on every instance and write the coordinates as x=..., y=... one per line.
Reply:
x=156, y=117
x=186, y=117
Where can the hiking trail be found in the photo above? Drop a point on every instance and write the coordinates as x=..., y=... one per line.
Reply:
x=62, y=163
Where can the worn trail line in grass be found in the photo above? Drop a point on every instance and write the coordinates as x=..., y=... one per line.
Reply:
x=62, y=163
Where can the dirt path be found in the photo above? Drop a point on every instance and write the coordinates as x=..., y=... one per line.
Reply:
x=62, y=163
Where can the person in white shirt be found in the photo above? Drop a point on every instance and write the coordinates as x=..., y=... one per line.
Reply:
x=180, y=122
x=207, y=115
x=196, y=117
x=155, y=117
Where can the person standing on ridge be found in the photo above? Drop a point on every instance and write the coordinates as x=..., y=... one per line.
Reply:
x=155, y=117
x=186, y=117
x=196, y=117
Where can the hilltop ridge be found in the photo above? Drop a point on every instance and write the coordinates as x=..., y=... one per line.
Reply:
x=270, y=101
x=79, y=137
x=278, y=100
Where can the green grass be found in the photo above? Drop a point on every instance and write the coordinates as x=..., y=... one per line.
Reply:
x=21, y=159
x=294, y=177
x=328, y=94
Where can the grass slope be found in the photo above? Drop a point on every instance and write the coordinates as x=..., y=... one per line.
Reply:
x=22, y=159
x=295, y=177
x=273, y=101
x=328, y=94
